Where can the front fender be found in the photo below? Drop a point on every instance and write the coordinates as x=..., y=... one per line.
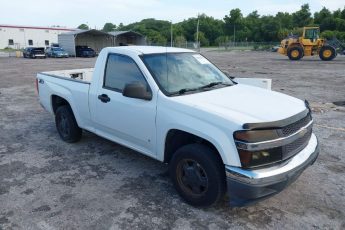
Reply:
x=218, y=136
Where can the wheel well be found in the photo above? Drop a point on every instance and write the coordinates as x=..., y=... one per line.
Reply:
x=177, y=138
x=293, y=45
x=58, y=101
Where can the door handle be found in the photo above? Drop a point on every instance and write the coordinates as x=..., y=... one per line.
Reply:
x=104, y=98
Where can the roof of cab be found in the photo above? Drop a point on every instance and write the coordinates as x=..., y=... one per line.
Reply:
x=151, y=49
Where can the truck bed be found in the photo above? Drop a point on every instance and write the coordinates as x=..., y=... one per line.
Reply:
x=84, y=75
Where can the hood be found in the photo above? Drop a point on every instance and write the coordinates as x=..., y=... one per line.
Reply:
x=244, y=104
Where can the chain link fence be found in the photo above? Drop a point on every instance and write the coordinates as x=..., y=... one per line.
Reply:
x=263, y=46
x=186, y=45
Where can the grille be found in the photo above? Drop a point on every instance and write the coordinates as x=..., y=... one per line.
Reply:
x=296, y=146
x=294, y=127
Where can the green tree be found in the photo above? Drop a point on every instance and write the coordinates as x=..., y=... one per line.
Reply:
x=285, y=20
x=120, y=26
x=252, y=27
x=156, y=31
x=83, y=27
x=180, y=41
x=209, y=26
x=109, y=27
x=283, y=33
x=320, y=16
x=269, y=28
x=222, y=40
x=302, y=17
x=234, y=19
x=202, y=39
x=342, y=14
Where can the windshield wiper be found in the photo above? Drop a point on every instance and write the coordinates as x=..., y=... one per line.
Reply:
x=212, y=84
x=185, y=90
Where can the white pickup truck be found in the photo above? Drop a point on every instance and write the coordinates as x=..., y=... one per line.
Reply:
x=218, y=135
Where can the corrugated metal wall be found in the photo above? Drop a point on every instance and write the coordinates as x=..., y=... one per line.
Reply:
x=96, y=42
x=66, y=41
x=124, y=39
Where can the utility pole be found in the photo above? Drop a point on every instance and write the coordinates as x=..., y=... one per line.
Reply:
x=234, y=35
x=197, y=33
x=171, y=34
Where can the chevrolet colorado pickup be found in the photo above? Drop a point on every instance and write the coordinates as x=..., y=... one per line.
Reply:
x=219, y=135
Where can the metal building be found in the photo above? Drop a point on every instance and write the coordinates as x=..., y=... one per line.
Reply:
x=97, y=40
x=18, y=37
x=128, y=38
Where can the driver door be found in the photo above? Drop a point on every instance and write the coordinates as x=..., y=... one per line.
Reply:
x=128, y=121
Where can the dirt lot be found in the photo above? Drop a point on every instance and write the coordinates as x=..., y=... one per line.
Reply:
x=95, y=184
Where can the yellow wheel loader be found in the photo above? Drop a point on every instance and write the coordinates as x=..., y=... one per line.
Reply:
x=308, y=45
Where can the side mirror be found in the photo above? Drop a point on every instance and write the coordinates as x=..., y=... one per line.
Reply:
x=137, y=90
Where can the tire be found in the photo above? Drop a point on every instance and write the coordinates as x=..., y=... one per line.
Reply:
x=327, y=53
x=295, y=53
x=66, y=124
x=198, y=175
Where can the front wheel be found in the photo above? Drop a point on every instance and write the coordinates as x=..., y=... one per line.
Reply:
x=327, y=53
x=66, y=124
x=295, y=53
x=198, y=175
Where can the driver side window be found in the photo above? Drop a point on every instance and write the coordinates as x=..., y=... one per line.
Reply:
x=121, y=70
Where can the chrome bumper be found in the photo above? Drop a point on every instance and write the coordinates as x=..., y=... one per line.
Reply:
x=248, y=186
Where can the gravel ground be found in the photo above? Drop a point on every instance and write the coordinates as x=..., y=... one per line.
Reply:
x=95, y=184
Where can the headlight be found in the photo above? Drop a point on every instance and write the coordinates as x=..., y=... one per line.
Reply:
x=256, y=135
x=261, y=157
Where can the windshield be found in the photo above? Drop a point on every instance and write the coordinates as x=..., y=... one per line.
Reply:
x=57, y=49
x=178, y=73
x=38, y=50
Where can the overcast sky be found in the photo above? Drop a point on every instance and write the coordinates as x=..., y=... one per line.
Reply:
x=95, y=13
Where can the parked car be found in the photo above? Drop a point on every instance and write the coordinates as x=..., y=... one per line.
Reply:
x=216, y=133
x=84, y=51
x=56, y=52
x=34, y=52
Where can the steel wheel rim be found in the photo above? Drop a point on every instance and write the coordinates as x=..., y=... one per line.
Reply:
x=63, y=126
x=192, y=177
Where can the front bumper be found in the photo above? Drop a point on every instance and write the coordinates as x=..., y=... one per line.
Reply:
x=39, y=55
x=60, y=55
x=249, y=186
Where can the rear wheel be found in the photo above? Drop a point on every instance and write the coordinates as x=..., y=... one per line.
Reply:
x=327, y=53
x=295, y=53
x=198, y=175
x=66, y=124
